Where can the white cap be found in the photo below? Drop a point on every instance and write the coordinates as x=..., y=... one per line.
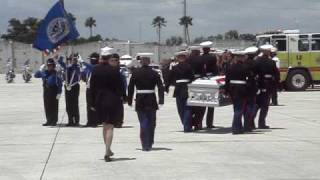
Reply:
x=145, y=55
x=194, y=48
x=107, y=51
x=251, y=50
x=206, y=44
x=181, y=53
x=266, y=47
x=126, y=57
x=274, y=49
x=239, y=53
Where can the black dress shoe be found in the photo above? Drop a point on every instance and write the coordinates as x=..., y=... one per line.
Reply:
x=107, y=158
x=46, y=124
x=264, y=127
x=210, y=127
x=70, y=125
x=146, y=149
x=237, y=132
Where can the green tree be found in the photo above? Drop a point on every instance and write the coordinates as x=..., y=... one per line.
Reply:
x=186, y=21
x=90, y=23
x=23, y=31
x=159, y=22
x=174, y=41
x=247, y=37
x=232, y=35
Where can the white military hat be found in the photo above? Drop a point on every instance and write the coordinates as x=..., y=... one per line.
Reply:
x=239, y=53
x=266, y=47
x=274, y=50
x=194, y=48
x=251, y=50
x=107, y=51
x=181, y=53
x=145, y=55
x=206, y=44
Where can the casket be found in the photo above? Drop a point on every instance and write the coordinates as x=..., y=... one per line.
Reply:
x=208, y=92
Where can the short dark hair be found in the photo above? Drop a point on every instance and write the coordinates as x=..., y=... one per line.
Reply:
x=106, y=58
x=115, y=55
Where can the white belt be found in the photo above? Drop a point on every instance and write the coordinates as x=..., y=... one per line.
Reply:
x=183, y=81
x=237, y=82
x=209, y=74
x=197, y=75
x=268, y=76
x=263, y=90
x=145, y=91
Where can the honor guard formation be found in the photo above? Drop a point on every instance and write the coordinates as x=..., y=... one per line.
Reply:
x=250, y=79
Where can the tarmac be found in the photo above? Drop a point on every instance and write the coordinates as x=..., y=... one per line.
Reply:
x=290, y=150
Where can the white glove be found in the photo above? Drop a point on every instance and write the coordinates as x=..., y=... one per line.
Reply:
x=42, y=67
x=58, y=96
x=93, y=109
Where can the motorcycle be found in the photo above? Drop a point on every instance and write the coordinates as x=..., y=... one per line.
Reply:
x=27, y=73
x=10, y=75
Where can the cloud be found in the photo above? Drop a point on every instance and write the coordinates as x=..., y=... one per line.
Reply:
x=122, y=18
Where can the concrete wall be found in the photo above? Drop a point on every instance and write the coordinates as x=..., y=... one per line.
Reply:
x=21, y=52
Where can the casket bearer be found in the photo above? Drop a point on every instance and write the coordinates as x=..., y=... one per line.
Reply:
x=145, y=79
x=211, y=69
x=252, y=88
x=268, y=81
x=236, y=87
x=198, y=67
x=181, y=75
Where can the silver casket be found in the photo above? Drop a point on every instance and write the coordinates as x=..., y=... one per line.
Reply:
x=208, y=92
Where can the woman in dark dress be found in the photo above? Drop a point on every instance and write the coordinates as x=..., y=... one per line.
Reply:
x=107, y=93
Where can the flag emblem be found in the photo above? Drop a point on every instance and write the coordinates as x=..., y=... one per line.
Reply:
x=58, y=29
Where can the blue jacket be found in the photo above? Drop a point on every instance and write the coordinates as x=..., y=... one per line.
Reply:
x=50, y=79
x=70, y=70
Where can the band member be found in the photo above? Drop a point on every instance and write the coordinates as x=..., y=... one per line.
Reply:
x=145, y=79
x=198, y=67
x=52, y=88
x=107, y=93
x=236, y=81
x=211, y=69
x=86, y=76
x=181, y=75
x=268, y=81
x=72, y=89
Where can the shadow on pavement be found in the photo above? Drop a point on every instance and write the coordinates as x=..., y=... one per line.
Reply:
x=120, y=159
x=161, y=149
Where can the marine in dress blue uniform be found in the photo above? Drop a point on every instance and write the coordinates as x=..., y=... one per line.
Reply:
x=181, y=75
x=145, y=79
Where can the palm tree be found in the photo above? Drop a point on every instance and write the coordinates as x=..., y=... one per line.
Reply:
x=90, y=23
x=159, y=22
x=186, y=21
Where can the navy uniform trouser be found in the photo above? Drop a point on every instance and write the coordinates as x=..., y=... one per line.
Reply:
x=210, y=116
x=184, y=113
x=91, y=115
x=239, y=105
x=263, y=100
x=51, y=105
x=72, y=104
x=249, y=114
x=147, y=121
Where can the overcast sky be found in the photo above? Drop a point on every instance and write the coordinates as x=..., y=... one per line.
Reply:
x=122, y=18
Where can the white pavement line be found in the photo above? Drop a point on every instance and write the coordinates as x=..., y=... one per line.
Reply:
x=52, y=146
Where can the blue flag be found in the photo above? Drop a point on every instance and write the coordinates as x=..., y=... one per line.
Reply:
x=56, y=28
